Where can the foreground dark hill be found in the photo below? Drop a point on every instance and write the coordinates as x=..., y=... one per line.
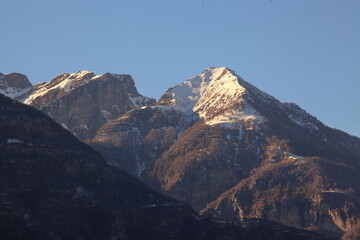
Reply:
x=233, y=151
x=52, y=186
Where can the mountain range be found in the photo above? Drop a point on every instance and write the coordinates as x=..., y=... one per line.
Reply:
x=216, y=142
x=53, y=186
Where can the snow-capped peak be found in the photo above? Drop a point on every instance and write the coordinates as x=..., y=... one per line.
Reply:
x=216, y=95
x=184, y=96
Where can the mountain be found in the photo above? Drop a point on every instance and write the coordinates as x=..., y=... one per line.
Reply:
x=82, y=102
x=15, y=85
x=232, y=151
x=53, y=186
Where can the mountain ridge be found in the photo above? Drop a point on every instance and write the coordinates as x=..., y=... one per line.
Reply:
x=215, y=130
x=83, y=101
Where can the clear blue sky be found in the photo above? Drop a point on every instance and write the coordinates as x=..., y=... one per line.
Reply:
x=303, y=51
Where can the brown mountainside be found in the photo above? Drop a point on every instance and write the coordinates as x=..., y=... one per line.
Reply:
x=231, y=150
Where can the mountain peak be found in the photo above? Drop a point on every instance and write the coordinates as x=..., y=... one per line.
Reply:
x=184, y=96
x=14, y=85
x=217, y=95
x=67, y=82
x=83, y=101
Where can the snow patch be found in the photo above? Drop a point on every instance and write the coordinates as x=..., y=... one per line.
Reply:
x=107, y=115
x=148, y=206
x=84, y=126
x=335, y=191
x=15, y=92
x=300, y=116
x=13, y=140
x=297, y=158
x=140, y=168
x=293, y=156
x=81, y=192
x=64, y=126
x=117, y=76
x=140, y=101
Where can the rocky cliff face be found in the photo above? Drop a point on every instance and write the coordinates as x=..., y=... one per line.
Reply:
x=15, y=85
x=82, y=102
x=231, y=150
x=55, y=187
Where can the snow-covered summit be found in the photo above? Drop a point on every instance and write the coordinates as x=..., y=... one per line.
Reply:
x=217, y=95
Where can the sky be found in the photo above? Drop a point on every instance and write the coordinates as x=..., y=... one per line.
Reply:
x=307, y=51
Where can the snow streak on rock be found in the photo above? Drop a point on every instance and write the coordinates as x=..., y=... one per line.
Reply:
x=14, y=85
